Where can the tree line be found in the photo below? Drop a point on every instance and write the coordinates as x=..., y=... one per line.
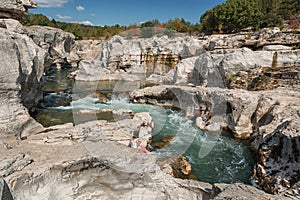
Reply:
x=231, y=16
x=235, y=15
x=82, y=31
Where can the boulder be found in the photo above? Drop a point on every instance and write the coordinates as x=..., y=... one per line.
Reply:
x=156, y=79
x=184, y=72
x=15, y=9
x=181, y=168
x=165, y=141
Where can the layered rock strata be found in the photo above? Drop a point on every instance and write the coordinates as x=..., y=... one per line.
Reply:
x=15, y=9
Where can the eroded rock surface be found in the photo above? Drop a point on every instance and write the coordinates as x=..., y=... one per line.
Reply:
x=22, y=68
x=229, y=191
x=120, y=57
x=91, y=161
x=271, y=117
x=277, y=170
x=15, y=9
x=254, y=40
x=59, y=44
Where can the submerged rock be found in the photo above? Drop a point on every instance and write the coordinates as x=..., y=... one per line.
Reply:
x=177, y=166
x=182, y=168
x=165, y=141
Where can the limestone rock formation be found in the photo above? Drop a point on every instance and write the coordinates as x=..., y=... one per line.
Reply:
x=60, y=45
x=22, y=68
x=138, y=57
x=254, y=40
x=12, y=25
x=239, y=191
x=15, y=9
x=90, y=160
x=271, y=117
x=159, y=61
x=277, y=169
x=239, y=68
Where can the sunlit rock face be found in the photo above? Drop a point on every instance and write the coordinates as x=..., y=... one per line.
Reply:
x=21, y=71
x=59, y=44
x=15, y=9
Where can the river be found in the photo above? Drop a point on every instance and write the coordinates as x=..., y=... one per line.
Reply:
x=229, y=161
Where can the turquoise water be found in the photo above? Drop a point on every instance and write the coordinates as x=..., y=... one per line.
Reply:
x=224, y=159
x=229, y=161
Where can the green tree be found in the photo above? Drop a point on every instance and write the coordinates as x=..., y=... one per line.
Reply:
x=232, y=16
x=180, y=25
x=76, y=29
x=271, y=15
x=35, y=19
x=289, y=7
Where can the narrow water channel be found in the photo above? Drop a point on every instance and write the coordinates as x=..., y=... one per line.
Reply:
x=229, y=161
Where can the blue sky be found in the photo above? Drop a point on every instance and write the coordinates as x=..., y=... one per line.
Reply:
x=123, y=12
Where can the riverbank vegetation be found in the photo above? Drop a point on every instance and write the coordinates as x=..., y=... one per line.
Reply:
x=229, y=17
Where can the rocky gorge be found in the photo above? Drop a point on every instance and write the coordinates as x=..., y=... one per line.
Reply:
x=246, y=83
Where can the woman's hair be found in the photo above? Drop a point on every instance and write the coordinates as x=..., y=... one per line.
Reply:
x=136, y=133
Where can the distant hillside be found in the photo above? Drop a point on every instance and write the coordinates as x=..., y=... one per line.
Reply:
x=82, y=31
x=235, y=15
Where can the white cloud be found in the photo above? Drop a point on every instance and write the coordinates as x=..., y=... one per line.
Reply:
x=71, y=20
x=80, y=8
x=87, y=23
x=63, y=17
x=51, y=3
